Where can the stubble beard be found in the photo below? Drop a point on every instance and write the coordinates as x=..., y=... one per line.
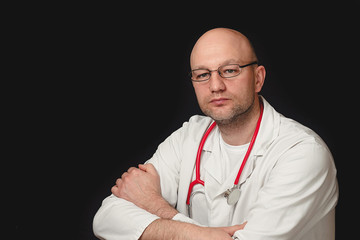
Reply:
x=237, y=115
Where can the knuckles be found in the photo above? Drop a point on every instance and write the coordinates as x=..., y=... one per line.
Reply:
x=118, y=182
x=131, y=172
x=126, y=179
x=129, y=175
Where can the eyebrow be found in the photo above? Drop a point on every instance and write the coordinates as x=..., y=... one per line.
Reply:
x=229, y=61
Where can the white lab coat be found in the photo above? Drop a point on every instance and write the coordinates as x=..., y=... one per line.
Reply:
x=288, y=186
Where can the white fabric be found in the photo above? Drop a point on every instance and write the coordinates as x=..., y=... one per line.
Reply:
x=288, y=186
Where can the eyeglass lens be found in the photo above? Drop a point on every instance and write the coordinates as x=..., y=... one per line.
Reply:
x=227, y=71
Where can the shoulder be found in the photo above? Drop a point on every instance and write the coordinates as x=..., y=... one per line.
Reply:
x=182, y=140
x=303, y=148
x=284, y=134
x=196, y=126
x=190, y=131
x=293, y=144
x=297, y=134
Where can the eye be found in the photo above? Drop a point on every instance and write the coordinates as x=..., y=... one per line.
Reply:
x=200, y=75
x=230, y=70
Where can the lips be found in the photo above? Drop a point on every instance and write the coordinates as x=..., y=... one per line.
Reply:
x=219, y=101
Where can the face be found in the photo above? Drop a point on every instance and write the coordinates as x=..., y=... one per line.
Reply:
x=226, y=99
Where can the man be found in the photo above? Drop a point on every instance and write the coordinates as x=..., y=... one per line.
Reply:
x=286, y=187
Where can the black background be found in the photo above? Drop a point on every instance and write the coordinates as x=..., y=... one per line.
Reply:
x=92, y=90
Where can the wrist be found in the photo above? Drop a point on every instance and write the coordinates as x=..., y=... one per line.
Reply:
x=165, y=210
x=162, y=208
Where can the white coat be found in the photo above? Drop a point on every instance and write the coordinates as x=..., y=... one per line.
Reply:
x=288, y=186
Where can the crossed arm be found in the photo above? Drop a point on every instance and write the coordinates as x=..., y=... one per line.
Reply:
x=141, y=186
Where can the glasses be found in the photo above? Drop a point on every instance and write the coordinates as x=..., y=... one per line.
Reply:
x=225, y=71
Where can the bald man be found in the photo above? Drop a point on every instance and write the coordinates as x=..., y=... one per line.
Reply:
x=243, y=171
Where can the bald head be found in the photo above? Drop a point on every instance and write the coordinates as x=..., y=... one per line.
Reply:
x=219, y=46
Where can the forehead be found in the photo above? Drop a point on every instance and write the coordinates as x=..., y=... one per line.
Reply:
x=214, y=52
x=216, y=64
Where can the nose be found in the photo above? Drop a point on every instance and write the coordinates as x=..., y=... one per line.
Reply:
x=216, y=82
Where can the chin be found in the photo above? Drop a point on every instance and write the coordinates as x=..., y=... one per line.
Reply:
x=223, y=121
x=222, y=118
x=226, y=118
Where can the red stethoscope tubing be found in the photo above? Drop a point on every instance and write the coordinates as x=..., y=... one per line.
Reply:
x=197, y=167
x=198, y=155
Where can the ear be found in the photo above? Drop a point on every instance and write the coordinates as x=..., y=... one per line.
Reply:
x=260, y=74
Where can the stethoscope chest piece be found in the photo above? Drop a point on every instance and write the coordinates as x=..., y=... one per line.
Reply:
x=232, y=195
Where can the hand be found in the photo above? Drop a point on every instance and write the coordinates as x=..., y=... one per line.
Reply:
x=138, y=183
x=141, y=186
x=232, y=229
x=220, y=233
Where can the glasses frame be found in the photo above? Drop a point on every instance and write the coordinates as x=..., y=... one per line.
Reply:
x=218, y=70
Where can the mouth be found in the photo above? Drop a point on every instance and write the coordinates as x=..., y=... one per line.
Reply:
x=219, y=101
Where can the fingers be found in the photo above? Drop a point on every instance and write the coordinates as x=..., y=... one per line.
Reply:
x=118, y=182
x=129, y=175
x=241, y=226
x=131, y=169
x=238, y=227
x=125, y=175
x=232, y=229
x=148, y=168
x=115, y=190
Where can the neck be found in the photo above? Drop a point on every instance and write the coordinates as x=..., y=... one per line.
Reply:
x=241, y=130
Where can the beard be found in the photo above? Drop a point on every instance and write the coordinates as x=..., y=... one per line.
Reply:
x=233, y=116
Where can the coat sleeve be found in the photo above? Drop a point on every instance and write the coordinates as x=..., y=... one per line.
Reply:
x=300, y=191
x=120, y=219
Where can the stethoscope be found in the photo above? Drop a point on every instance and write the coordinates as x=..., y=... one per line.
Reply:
x=232, y=195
